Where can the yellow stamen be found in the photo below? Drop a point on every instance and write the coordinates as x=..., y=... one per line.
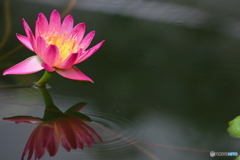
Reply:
x=65, y=46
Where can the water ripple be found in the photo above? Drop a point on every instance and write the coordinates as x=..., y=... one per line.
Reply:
x=117, y=133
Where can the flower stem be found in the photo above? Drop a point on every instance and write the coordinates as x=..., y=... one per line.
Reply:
x=45, y=78
x=46, y=96
x=51, y=111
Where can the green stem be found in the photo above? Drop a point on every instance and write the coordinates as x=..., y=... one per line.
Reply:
x=46, y=96
x=51, y=111
x=45, y=78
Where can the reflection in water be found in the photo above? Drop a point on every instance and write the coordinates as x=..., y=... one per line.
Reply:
x=166, y=12
x=56, y=127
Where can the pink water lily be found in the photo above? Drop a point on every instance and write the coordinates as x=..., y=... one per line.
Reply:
x=59, y=46
x=68, y=129
x=72, y=133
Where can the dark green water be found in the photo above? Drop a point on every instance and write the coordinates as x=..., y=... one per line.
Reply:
x=167, y=78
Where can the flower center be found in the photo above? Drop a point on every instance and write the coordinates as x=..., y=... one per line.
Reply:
x=66, y=45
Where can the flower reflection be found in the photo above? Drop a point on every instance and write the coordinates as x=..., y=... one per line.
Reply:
x=55, y=128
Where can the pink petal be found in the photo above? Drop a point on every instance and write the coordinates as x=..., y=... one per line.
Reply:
x=67, y=24
x=51, y=55
x=68, y=63
x=47, y=67
x=93, y=132
x=79, y=142
x=55, y=21
x=65, y=144
x=41, y=47
x=63, y=137
x=74, y=74
x=87, y=40
x=24, y=119
x=45, y=137
x=25, y=41
x=26, y=27
x=29, y=147
x=40, y=150
x=29, y=65
x=41, y=25
x=79, y=134
x=40, y=137
x=78, y=31
x=87, y=138
x=80, y=52
x=53, y=144
x=32, y=40
x=89, y=52
x=69, y=133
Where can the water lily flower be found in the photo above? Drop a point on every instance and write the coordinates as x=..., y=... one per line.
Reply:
x=72, y=133
x=68, y=128
x=58, y=47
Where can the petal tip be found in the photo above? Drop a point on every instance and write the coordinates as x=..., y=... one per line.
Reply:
x=55, y=10
x=88, y=80
x=23, y=20
x=74, y=74
x=83, y=23
x=40, y=15
x=101, y=43
x=4, y=73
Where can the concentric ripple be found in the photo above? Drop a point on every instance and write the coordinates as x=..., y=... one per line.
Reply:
x=118, y=135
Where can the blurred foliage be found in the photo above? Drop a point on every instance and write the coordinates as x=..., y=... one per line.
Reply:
x=234, y=127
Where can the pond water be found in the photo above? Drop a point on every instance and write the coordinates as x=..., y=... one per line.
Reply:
x=166, y=81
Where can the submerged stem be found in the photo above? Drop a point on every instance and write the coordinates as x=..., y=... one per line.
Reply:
x=51, y=111
x=45, y=78
x=46, y=96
